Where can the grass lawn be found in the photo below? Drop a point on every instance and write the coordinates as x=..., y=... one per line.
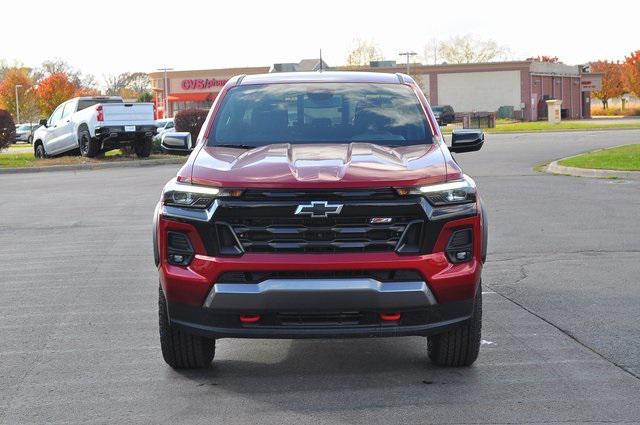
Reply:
x=506, y=126
x=625, y=158
x=21, y=160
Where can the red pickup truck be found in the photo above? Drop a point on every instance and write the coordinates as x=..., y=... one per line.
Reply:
x=321, y=205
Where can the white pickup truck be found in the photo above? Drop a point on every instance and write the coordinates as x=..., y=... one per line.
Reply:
x=96, y=124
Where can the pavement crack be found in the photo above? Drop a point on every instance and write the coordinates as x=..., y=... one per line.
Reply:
x=567, y=333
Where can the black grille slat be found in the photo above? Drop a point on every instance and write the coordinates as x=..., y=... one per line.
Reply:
x=320, y=319
x=302, y=234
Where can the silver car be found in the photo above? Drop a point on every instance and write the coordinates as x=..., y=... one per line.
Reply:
x=24, y=132
x=163, y=125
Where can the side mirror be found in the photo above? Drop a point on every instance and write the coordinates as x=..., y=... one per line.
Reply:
x=43, y=122
x=466, y=140
x=176, y=141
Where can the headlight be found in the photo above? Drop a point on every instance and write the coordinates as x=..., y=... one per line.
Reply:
x=450, y=193
x=188, y=195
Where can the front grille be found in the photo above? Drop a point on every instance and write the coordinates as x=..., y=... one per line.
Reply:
x=309, y=235
x=320, y=319
x=399, y=275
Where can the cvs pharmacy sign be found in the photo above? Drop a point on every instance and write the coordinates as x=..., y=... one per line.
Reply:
x=201, y=83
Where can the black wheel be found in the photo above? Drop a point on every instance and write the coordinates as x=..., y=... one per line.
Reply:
x=143, y=147
x=30, y=140
x=179, y=349
x=459, y=346
x=39, y=151
x=88, y=146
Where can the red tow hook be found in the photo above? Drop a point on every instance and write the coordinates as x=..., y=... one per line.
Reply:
x=249, y=318
x=390, y=317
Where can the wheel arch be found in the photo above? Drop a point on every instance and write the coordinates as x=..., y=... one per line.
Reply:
x=485, y=231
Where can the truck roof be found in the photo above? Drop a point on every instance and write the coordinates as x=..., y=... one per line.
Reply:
x=99, y=97
x=324, y=77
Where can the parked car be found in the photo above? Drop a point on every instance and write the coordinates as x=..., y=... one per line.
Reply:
x=24, y=132
x=444, y=114
x=163, y=125
x=96, y=124
x=321, y=205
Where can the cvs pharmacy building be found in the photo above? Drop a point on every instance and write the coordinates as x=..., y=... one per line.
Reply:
x=192, y=89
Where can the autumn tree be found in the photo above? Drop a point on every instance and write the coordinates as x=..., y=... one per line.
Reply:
x=4, y=67
x=631, y=73
x=468, y=49
x=127, y=85
x=27, y=96
x=87, y=91
x=612, y=85
x=363, y=52
x=54, y=90
x=7, y=129
x=84, y=82
x=544, y=58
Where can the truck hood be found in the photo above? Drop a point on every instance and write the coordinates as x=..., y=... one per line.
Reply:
x=319, y=166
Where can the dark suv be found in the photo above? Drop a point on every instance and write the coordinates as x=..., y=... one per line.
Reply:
x=320, y=205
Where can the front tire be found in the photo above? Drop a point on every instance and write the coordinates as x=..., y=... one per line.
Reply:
x=143, y=147
x=39, y=151
x=459, y=346
x=89, y=147
x=181, y=350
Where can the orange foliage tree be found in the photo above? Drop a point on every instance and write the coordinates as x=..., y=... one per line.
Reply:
x=87, y=91
x=612, y=85
x=54, y=90
x=12, y=78
x=631, y=73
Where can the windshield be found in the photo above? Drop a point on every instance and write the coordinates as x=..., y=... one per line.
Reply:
x=164, y=123
x=23, y=127
x=257, y=115
x=437, y=108
x=85, y=103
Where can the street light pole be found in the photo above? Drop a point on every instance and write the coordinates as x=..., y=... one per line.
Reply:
x=166, y=90
x=17, y=104
x=407, y=54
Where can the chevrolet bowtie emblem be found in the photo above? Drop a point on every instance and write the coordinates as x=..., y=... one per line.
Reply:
x=318, y=209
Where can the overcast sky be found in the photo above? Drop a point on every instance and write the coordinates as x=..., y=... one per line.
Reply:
x=112, y=36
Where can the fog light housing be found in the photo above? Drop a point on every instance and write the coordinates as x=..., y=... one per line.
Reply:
x=179, y=249
x=460, y=246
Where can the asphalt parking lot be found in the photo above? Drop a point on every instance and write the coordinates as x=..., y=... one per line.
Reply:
x=78, y=310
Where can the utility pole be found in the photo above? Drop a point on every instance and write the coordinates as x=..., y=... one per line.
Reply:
x=166, y=90
x=17, y=104
x=408, y=55
x=435, y=51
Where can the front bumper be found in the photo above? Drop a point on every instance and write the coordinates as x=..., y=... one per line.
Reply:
x=316, y=308
x=425, y=321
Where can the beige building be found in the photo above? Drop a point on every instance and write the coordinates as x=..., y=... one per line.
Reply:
x=515, y=89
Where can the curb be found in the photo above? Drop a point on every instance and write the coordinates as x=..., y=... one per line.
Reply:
x=565, y=130
x=96, y=166
x=555, y=168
